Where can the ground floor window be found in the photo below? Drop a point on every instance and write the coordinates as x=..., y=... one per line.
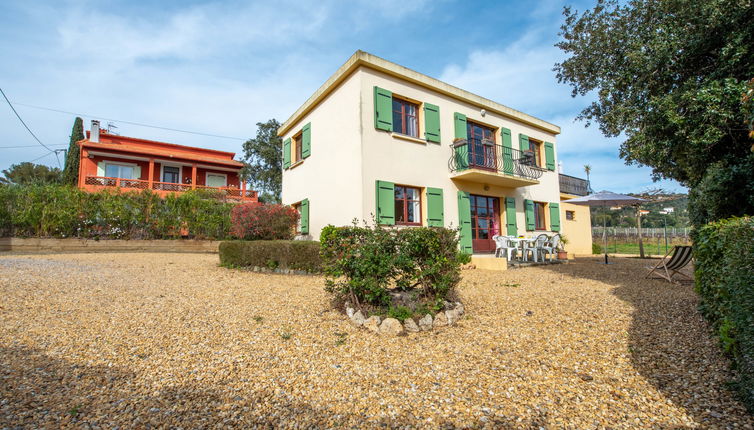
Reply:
x=570, y=215
x=119, y=171
x=297, y=207
x=539, y=216
x=407, y=205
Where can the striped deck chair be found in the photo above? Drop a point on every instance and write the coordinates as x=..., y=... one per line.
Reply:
x=669, y=268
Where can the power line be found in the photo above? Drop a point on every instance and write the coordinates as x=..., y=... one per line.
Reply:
x=26, y=126
x=29, y=146
x=131, y=122
x=38, y=158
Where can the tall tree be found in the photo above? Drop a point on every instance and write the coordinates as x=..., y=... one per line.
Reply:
x=669, y=75
x=263, y=157
x=27, y=173
x=72, y=158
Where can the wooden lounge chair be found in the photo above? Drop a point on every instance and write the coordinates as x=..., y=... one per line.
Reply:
x=669, y=268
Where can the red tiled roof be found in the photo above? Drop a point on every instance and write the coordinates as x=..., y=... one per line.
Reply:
x=194, y=155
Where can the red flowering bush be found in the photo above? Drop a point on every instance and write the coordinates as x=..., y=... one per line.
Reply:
x=252, y=221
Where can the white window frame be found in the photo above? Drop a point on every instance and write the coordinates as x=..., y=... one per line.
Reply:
x=162, y=172
x=118, y=163
x=207, y=174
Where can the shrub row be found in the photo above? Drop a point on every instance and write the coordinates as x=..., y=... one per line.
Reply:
x=272, y=254
x=263, y=222
x=65, y=211
x=366, y=265
x=724, y=254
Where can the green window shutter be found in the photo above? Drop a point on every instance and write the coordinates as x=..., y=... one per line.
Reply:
x=523, y=142
x=287, y=153
x=432, y=123
x=510, y=216
x=306, y=140
x=550, y=155
x=554, y=216
x=464, y=220
x=459, y=120
x=305, y=216
x=435, y=212
x=529, y=207
x=383, y=109
x=505, y=135
x=385, y=202
x=461, y=151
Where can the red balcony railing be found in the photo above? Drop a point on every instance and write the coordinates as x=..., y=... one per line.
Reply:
x=141, y=184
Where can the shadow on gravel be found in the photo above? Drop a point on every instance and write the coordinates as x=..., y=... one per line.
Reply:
x=669, y=341
x=39, y=391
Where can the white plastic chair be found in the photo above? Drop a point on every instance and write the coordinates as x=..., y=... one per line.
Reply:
x=535, y=247
x=551, y=247
x=504, y=246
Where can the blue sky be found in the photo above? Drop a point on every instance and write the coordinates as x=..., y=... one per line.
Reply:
x=220, y=67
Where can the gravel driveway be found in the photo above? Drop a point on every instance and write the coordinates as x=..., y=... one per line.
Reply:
x=173, y=340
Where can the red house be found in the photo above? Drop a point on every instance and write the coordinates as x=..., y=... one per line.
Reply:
x=128, y=163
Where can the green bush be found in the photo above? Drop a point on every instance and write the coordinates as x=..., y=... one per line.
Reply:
x=725, y=191
x=596, y=248
x=384, y=270
x=65, y=211
x=272, y=254
x=724, y=271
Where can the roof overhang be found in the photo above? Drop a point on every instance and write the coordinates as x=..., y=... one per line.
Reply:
x=142, y=154
x=365, y=59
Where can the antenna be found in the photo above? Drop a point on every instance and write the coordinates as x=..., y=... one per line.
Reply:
x=110, y=127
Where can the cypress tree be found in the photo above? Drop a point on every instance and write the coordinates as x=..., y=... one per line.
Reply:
x=71, y=169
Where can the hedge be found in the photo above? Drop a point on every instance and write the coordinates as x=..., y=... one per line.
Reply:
x=272, y=254
x=724, y=253
x=65, y=211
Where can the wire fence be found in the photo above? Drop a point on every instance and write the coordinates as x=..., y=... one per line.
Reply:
x=633, y=232
x=625, y=240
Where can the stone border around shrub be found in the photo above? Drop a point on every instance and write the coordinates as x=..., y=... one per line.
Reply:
x=277, y=271
x=393, y=327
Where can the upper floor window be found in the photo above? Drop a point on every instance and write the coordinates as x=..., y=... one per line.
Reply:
x=570, y=215
x=297, y=147
x=535, y=147
x=539, y=216
x=119, y=171
x=407, y=205
x=405, y=117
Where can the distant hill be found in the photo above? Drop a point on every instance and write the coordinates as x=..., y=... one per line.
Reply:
x=626, y=217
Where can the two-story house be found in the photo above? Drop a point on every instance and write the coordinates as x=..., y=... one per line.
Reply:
x=380, y=141
x=110, y=161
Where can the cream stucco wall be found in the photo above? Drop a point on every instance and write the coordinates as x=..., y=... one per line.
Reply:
x=390, y=157
x=330, y=176
x=579, y=230
x=348, y=155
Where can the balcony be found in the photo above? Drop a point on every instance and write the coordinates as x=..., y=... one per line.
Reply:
x=163, y=188
x=573, y=185
x=483, y=161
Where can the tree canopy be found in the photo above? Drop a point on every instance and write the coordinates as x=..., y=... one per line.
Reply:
x=27, y=173
x=263, y=157
x=669, y=75
x=72, y=158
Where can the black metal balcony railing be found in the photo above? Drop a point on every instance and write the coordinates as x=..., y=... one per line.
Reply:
x=486, y=155
x=574, y=185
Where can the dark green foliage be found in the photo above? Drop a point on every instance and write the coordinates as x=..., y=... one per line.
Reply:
x=401, y=313
x=72, y=156
x=724, y=270
x=670, y=76
x=64, y=211
x=727, y=189
x=263, y=157
x=596, y=248
x=29, y=173
x=382, y=269
x=272, y=254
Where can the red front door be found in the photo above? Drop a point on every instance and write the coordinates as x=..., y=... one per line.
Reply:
x=485, y=222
